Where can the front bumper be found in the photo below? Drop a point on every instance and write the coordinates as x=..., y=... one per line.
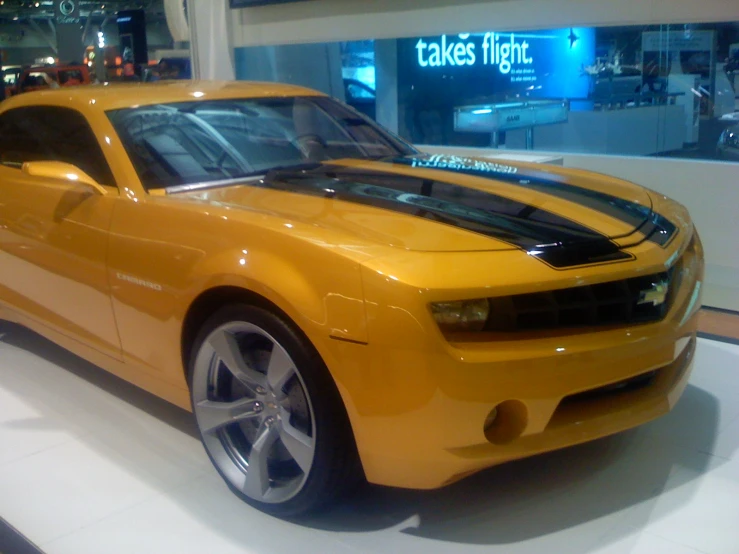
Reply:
x=422, y=409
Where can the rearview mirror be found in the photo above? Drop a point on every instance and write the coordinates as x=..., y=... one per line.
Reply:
x=61, y=171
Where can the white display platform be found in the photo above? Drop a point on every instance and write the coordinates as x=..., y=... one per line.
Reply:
x=89, y=464
x=639, y=131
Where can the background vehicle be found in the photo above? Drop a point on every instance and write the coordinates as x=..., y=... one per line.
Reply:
x=45, y=77
x=169, y=68
x=10, y=77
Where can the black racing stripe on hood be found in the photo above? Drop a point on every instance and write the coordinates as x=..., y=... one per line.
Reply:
x=631, y=213
x=551, y=238
x=659, y=230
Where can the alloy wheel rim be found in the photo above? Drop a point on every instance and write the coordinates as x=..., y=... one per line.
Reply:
x=253, y=412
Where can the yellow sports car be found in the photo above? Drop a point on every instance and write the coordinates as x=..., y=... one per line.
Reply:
x=332, y=304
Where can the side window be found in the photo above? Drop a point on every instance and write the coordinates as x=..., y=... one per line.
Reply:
x=39, y=79
x=48, y=133
x=17, y=146
x=70, y=77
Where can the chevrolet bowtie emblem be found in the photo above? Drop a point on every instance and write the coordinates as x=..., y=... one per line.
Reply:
x=656, y=295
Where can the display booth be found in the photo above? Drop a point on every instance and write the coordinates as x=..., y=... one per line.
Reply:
x=641, y=90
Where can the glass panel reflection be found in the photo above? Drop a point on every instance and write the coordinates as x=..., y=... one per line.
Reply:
x=660, y=90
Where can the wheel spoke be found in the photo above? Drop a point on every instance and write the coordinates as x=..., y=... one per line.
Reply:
x=227, y=349
x=298, y=444
x=256, y=434
x=257, y=474
x=279, y=371
x=213, y=416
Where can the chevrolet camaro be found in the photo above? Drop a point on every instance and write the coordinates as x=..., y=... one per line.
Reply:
x=332, y=304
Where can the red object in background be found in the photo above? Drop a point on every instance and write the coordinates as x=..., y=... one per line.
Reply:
x=45, y=77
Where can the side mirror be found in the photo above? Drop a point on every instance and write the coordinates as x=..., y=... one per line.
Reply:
x=64, y=172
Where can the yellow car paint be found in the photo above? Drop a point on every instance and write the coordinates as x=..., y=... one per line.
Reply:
x=114, y=277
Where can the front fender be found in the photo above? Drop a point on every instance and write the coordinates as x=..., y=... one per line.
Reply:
x=161, y=260
x=321, y=292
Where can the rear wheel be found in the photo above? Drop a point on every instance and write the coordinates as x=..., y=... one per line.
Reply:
x=269, y=415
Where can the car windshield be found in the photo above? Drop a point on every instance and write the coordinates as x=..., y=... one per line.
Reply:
x=224, y=140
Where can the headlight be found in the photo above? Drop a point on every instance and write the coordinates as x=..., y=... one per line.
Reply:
x=465, y=315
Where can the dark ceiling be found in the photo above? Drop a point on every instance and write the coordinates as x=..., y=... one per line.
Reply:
x=44, y=9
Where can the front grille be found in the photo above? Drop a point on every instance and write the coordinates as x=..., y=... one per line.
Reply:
x=628, y=385
x=613, y=303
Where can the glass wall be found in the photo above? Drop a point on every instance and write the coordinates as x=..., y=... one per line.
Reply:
x=669, y=90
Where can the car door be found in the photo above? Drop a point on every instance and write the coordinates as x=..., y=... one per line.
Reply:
x=53, y=234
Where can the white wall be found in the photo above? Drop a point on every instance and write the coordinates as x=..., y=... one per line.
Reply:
x=710, y=190
x=330, y=20
x=634, y=132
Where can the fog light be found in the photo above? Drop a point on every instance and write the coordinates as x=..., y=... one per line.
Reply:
x=490, y=420
x=506, y=422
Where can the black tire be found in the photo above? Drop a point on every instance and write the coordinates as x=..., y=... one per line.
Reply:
x=335, y=469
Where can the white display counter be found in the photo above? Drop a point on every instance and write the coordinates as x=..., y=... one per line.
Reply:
x=707, y=188
x=638, y=131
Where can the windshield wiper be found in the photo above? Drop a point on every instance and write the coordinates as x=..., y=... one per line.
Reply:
x=219, y=105
x=294, y=168
x=377, y=157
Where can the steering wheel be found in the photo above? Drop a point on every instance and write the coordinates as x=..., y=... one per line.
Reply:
x=313, y=147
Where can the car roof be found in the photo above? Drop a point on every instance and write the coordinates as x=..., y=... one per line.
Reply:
x=45, y=67
x=112, y=96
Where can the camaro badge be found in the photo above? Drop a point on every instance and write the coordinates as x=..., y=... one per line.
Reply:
x=140, y=282
x=656, y=296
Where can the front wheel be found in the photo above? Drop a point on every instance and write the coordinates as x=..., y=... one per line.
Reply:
x=269, y=414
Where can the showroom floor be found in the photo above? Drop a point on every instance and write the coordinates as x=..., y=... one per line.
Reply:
x=89, y=464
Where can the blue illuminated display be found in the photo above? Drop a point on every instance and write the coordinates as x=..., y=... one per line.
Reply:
x=541, y=64
x=502, y=51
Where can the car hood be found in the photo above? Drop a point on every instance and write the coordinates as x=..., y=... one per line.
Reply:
x=442, y=203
